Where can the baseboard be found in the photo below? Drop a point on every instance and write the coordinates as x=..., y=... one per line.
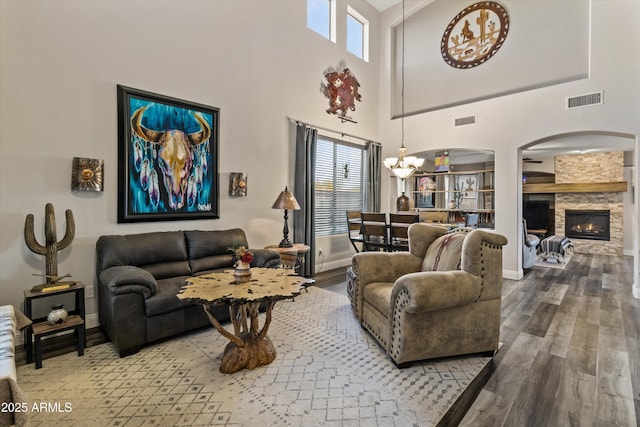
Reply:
x=512, y=274
x=332, y=265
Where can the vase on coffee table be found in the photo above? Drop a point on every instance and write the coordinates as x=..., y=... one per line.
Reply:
x=242, y=273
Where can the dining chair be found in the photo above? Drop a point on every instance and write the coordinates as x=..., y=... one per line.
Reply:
x=374, y=231
x=354, y=225
x=472, y=220
x=398, y=230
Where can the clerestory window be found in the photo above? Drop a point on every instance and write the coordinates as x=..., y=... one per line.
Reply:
x=321, y=18
x=357, y=34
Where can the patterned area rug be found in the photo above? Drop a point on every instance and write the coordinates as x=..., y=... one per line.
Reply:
x=328, y=372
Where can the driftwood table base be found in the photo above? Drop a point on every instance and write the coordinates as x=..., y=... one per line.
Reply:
x=249, y=345
x=248, y=348
x=255, y=352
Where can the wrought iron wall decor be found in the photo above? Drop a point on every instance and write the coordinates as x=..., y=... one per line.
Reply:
x=475, y=34
x=237, y=184
x=86, y=174
x=167, y=158
x=341, y=88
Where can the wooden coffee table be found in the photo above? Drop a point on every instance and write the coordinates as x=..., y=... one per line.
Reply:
x=249, y=347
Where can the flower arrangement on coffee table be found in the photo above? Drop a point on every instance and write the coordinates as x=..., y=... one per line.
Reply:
x=243, y=255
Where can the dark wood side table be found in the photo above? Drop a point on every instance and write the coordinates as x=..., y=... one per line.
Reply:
x=300, y=250
x=40, y=328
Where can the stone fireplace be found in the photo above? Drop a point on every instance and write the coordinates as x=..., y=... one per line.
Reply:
x=602, y=168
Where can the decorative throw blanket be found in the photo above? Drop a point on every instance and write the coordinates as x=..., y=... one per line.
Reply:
x=556, y=247
x=10, y=320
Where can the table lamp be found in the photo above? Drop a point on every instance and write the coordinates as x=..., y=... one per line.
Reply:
x=286, y=201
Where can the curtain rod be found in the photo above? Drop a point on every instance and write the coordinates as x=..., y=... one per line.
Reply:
x=334, y=131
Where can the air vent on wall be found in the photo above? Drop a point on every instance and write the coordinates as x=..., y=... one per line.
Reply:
x=585, y=100
x=469, y=120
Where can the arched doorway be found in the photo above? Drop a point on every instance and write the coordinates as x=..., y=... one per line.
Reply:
x=549, y=161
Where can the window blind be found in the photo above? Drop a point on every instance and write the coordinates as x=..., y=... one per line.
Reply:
x=339, y=180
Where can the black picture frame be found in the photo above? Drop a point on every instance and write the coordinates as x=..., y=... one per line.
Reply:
x=156, y=180
x=425, y=186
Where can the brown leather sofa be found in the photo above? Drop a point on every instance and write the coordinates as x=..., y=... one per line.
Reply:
x=442, y=298
x=139, y=276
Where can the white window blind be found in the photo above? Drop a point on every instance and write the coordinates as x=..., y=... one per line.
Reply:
x=340, y=172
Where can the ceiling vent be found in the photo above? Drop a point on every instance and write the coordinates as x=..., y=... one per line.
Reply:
x=585, y=100
x=469, y=120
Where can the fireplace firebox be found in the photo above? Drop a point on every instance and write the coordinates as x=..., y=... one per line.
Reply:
x=586, y=224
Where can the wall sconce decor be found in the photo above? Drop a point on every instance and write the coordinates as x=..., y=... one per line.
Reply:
x=86, y=174
x=238, y=184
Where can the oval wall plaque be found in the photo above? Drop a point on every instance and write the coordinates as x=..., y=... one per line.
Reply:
x=475, y=35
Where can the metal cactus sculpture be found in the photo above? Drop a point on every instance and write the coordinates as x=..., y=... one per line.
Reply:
x=51, y=246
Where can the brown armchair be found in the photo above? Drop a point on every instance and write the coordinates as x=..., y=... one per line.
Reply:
x=442, y=298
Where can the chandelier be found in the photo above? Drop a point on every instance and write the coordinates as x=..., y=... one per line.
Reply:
x=403, y=166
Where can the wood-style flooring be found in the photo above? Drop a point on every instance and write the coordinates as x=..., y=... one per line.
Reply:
x=571, y=348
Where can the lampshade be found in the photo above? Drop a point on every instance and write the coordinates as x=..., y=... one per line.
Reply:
x=286, y=201
x=390, y=161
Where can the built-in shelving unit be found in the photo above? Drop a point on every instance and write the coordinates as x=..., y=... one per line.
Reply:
x=456, y=193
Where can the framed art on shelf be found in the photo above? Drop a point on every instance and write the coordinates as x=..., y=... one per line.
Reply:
x=465, y=192
x=425, y=191
x=168, y=152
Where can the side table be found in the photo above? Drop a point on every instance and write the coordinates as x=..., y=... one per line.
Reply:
x=300, y=250
x=40, y=328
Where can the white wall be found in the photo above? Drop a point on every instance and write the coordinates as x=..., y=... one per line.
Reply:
x=506, y=123
x=61, y=62
x=520, y=64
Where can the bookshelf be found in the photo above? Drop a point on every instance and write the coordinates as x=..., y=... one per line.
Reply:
x=456, y=193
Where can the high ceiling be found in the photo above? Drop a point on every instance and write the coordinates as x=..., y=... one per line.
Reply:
x=383, y=4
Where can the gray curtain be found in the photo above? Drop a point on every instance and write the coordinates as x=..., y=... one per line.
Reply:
x=374, y=177
x=304, y=190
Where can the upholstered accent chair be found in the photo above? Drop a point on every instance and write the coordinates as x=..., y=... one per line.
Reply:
x=529, y=247
x=442, y=298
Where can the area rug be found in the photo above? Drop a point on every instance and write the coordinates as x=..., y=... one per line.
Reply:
x=328, y=372
x=553, y=263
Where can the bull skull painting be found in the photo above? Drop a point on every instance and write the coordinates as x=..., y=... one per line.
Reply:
x=168, y=159
x=181, y=158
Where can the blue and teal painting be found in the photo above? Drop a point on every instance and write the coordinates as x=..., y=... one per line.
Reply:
x=169, y=159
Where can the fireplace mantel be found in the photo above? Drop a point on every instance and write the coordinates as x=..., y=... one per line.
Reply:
x=582, y=187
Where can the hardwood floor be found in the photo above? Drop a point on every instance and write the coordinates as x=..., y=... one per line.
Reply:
x=571, y=352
